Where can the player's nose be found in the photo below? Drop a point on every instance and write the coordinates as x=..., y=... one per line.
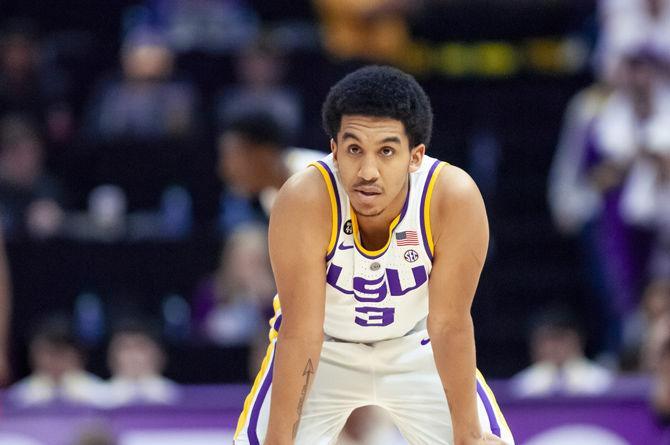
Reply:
x=368, y=170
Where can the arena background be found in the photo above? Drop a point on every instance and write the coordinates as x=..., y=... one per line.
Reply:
x=499, y=75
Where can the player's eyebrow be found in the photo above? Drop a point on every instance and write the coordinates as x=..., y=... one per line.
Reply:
x=386, y=140
x=347, y=135
x=389, y=139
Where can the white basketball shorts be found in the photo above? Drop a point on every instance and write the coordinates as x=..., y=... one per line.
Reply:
x=398, y=375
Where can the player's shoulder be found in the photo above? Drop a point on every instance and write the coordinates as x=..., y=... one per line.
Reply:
x=454, y=187
x=305, y=192
x=302, y=211
x=457, y=206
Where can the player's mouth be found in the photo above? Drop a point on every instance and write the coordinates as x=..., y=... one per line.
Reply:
x=367, y=195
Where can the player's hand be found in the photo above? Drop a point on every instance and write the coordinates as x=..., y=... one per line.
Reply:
x=486, y=439
x=491, y=439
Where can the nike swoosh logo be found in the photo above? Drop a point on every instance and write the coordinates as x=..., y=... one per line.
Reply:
x=343, y=247
x=425, y=341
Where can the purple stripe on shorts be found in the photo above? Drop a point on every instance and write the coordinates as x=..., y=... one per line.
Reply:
x=277, y=323
x=339, y=207
x=255, y=411
x=493, y=422
x=421, y=210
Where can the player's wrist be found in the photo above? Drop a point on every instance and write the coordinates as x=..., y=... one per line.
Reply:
x=467, y=436
x=468, y=441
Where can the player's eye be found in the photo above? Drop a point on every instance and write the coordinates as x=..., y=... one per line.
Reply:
x=354, y=149
x=387, y=151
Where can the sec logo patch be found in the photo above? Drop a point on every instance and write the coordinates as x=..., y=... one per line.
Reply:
x=411, y=256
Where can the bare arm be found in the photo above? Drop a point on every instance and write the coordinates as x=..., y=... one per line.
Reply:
x=461, y=240
x=300, y=228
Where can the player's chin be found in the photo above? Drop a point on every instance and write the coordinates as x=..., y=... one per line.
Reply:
x=368, y=211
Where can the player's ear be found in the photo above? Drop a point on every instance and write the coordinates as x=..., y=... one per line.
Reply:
x=333, y=148
x=415, y=157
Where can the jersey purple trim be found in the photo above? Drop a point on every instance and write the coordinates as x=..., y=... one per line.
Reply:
x=255, y=412
x=421, y=208
x=493, y=422
x=277, y=323
x=402, y=216
x=330, y=254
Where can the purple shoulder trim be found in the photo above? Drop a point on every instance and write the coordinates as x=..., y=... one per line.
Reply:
x=339, y=208
x=429, y=176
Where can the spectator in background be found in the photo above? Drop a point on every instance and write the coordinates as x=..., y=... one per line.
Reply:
x=210, y=26
x=559, y=365
x=28, y=85
x=254, y=162
x=577, y=192
x=630, y=24
x=648, y=328
x=375, y=30
x=30, y=199
x=260, y=69
x=137, y=361
x=607, y=181
x=573, y=199
x=626, y=141
x=659, y=266
x=634, y=132
x=660, y=396
x=231, y=307
x=652, y=324
x=147, y=103
x=5, y=314
x=57, y=370
x=576, y=204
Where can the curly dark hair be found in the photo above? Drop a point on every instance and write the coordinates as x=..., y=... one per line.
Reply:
x=380, y=91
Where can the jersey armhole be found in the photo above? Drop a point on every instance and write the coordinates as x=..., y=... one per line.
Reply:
x=426, y=198
x=334, y=197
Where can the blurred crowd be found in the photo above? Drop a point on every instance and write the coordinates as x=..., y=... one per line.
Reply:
x=135, y=361
x=139, y=133
x=609, y=187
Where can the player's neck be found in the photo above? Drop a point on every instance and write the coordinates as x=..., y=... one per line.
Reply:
x=374, y=230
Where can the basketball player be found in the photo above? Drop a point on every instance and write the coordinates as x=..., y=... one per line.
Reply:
x=377, y=251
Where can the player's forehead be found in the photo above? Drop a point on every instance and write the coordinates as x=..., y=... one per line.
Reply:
x=373, y=129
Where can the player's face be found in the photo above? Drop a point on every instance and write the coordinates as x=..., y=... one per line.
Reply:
x=374, y=159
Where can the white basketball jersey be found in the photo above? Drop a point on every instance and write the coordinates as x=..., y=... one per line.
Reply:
x=383, y=294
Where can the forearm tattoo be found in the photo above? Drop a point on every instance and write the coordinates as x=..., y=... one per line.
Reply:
x=307, y=373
